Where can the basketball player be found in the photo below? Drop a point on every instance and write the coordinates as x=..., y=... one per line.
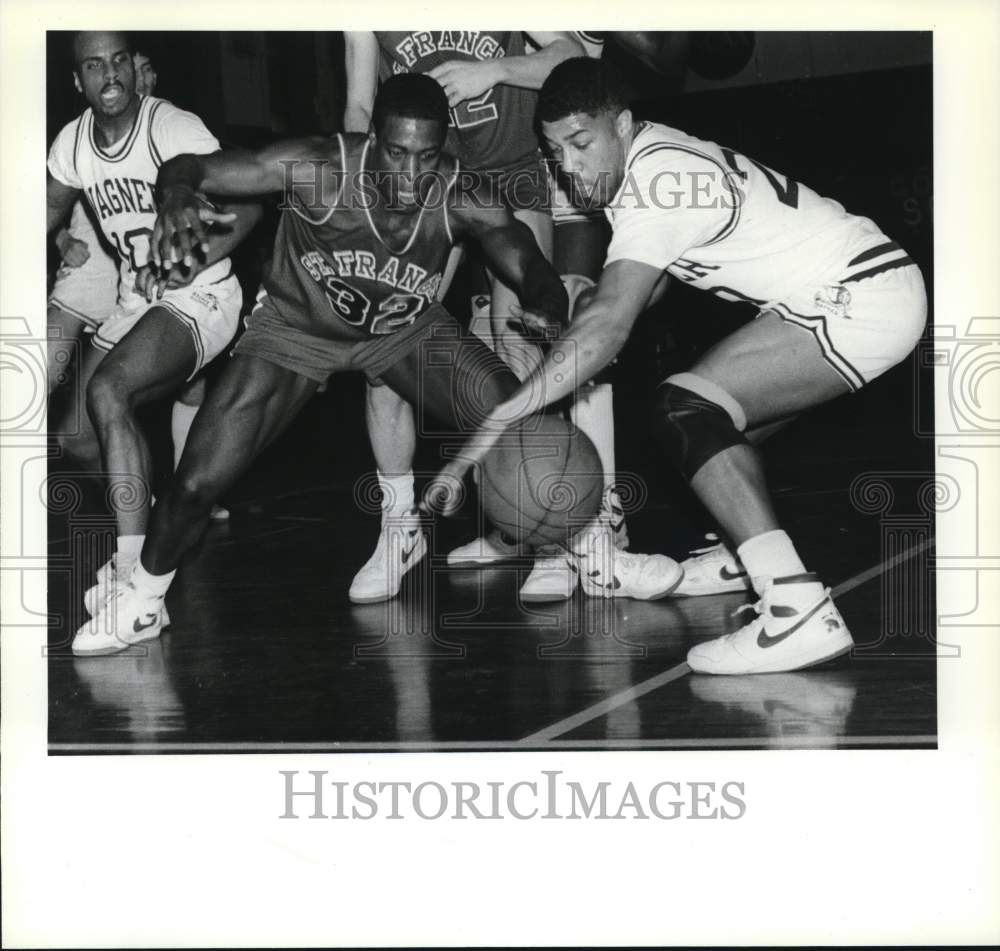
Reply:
x=365, y=233
x=144, y=350
x=489, y=78
x=839, y=305
x=86, y=286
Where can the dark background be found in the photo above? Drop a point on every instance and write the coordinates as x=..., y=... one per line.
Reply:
x=848, y=114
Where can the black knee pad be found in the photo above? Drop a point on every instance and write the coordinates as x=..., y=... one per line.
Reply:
x=693, y=429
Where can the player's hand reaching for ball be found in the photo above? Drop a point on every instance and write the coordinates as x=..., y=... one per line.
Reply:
x=181, y=228
x=462, y=80
x=445, y=493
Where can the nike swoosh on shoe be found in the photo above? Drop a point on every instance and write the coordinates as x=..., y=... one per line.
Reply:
x=726, y=575
x=138, y=628
x=764, y=640
x=409, y=551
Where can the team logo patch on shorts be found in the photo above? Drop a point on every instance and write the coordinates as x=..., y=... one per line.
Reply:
x=206, y=300
x=834, y=299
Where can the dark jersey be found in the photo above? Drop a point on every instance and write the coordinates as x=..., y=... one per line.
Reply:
x=493, y=131
x=333, y=276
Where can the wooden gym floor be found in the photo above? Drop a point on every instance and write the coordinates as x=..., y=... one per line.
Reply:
x=266, y=653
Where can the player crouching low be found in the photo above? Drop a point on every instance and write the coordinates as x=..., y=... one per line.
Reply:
x=364, y=235
x=840, y=303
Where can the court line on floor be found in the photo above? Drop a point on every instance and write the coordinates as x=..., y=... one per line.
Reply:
x=513, y=746
x=606, y=706
x=675, y=673
x=851, y=583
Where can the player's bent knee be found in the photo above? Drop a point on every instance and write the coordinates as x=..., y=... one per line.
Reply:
x=912, y=320
x=195, y=491
x=107, y=397
x=696, y=420
x=81, y=447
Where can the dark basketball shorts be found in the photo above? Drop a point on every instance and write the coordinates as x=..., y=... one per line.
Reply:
x=270, y=337
x=433, y=363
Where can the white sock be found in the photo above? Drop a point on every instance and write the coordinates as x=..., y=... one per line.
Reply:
x=593, y=412
x=397, y=493
x=150, y=586
x=129, y=546
x=181, y=418
x=768, y=556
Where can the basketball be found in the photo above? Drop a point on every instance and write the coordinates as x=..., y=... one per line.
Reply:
x=542, y=480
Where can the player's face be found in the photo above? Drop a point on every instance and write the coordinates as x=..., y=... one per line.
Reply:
x=145, y=75
x=591, y=152
x=104, y=73
x=407, y=154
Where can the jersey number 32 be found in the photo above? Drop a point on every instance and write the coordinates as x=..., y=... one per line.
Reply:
x=353, y=307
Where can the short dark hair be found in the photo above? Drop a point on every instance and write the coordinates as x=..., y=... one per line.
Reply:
x=77, y=35
x=581, y=84
x=413, y=96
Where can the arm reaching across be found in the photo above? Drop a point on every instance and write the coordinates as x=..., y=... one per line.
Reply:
x=230, y=224
x=183, y=214
x=597, y=334
x=514, y=256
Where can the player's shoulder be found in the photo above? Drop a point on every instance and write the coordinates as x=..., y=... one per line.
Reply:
x=656, y=146
x=71, y=130
x=162, y=111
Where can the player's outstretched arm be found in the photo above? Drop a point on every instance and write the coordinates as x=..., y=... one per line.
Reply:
x=514, y=256
x=239, y=217
x=183, y=214
x=59, y=199
x=597, y=334
x=361, y=56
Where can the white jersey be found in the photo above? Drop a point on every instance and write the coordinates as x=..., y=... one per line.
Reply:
x=119, y=181
x=81, y=228
x=724, y=223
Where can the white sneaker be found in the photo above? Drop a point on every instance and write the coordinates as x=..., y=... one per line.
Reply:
x=782, y=637
x=612, y=510
x=553, y=578
x=607, y=572
x=109, y=576
x=401, y=545
x=110, y=573
x=712, y=570
x=485, y=551
x=127, y=618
